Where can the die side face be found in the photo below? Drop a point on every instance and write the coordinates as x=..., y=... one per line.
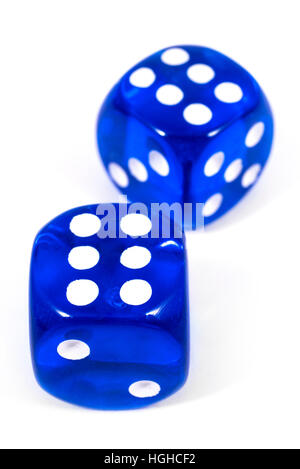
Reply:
x=108, y=316
x=231, y=163
x=186, y=103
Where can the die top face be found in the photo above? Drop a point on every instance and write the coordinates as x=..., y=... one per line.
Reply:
x=69, y=258
x=187, y=91
x=108, y=315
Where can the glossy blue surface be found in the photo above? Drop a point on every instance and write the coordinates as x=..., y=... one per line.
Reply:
x=122, y=343
x=133, y=123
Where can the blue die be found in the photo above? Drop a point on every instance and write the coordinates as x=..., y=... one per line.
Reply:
x=187, y=125
x=108, y=308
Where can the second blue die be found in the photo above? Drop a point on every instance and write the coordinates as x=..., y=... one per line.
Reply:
x=187, y=124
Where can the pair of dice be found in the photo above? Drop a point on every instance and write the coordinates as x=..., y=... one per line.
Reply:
x=109, y=307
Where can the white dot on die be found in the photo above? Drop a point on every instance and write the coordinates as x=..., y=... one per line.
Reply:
x=83, y=257
x=158, y=163
x=142, y=77
x=228, y=92
x=213, y=132
x=73, y=350
x=82, y=292
x=234, y=170
x=200, y=73
x=85, y=224
x=135, y=292
x=137, y=169
x=175, y=56
x=144, y=388
x=160, y=132
x=251, y=175
x=135, y=257
x=135, y=224
x=197, y=114
x=118, y=174
x=214, y=164
x=255, y=134
x=169, y=95
x=212, y=205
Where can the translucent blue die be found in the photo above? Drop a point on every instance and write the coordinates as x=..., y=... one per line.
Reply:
x=108, y=308
x=187, y=125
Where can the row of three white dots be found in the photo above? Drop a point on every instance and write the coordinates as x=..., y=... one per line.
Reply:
x=138, y=170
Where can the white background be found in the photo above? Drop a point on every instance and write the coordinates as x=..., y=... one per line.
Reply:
x=58, y=60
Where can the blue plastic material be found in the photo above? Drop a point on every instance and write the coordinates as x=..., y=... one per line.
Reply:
x=204, y=139
x=90, y=344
